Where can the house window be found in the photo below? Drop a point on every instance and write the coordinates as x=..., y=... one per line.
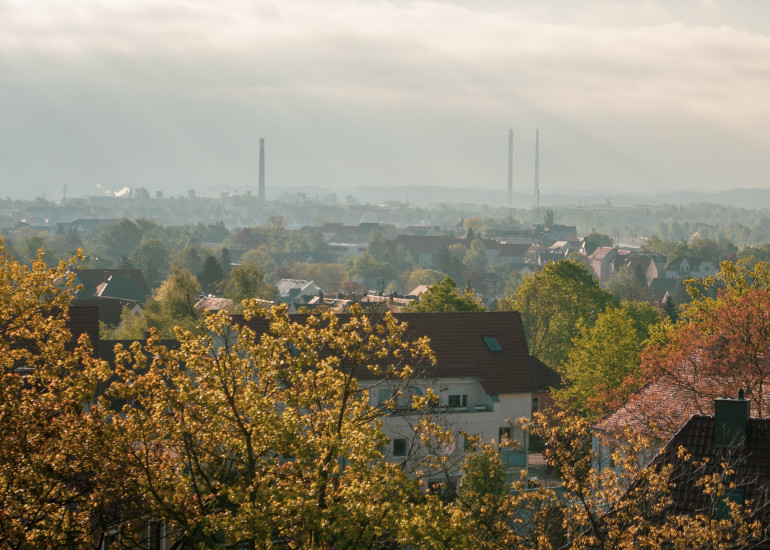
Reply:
x=399, y=447
x=383, y=395
x=736, y=495
x=492, y=343
x=458, y=401
x=535, y=404
x=504, y=434
x=156, y=535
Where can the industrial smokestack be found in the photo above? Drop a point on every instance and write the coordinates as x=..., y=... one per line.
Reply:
x=510, y=168
x=261, y=169
x=537, y=172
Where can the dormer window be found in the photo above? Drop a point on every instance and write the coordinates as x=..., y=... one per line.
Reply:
x=492, y=343
x=458, y=401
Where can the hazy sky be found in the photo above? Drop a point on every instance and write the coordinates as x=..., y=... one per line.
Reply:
x=175, y=94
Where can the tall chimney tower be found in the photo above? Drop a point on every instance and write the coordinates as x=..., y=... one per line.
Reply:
x=510, y=168
x=262, y=169
x=537, y=172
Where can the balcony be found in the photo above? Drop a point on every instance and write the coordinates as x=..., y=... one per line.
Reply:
x=513, y=458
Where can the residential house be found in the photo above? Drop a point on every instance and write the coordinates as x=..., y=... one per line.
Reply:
x=659, y=409
x=687, y=267
x=483, y=376
x=296, y=291
x=128, y=284
x=563, y=248
x=602, y=262
x=424, y=248
x=512, y=253
x=556, y=232
x=728, y=437
x=111, y=291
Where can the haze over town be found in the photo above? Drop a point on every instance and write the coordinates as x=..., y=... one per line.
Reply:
x=629, y=97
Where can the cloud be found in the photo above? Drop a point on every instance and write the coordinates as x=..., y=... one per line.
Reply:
x=165, y=78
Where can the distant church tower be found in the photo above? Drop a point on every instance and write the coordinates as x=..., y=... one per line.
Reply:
x=262, y=169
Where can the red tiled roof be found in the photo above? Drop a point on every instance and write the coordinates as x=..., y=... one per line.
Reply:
x=456, y=339
x=662, y=405
x=601, y=253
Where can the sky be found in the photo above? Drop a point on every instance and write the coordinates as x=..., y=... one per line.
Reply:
x=628, y=96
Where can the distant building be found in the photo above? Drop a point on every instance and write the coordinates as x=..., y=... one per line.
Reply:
x=296, y=291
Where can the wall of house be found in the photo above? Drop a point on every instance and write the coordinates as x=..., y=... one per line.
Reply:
x=477, y=414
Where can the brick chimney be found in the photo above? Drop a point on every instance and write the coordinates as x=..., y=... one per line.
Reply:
x=731, y=421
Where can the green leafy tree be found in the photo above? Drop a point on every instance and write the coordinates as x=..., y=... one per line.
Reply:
x=172, y=305
x=118, y=240
x=657, y=245
x=548, y=221
x=600, y=239
x=366, y=267
x=449, y=260
x=210, y=276
x=422, y=276
x=603, y=357
x=225, y=261
x=152, y=257
x=627, y=284
x=555, y=304
x=378, y=246
x=475, y=258
x=260, y=256
x=329, y=276
x=249, y=280
x=444, y=296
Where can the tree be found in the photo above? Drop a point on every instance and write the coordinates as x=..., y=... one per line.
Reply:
x=119, y=239
x=152, y=258
x=210, y=275
x=449, y=260
x=44, y=431
x=603, y=357
x=627, y=284
x=600, y=239
x=444, y=296
x=235, y=440
x=555, y=304
x=721, y=346
x=247, y=281
x=633, y=504
x=172, y=305
x=369, y=269
x=422, y=276
x=475, y=258
x=656, y=245
x=329, y=276
x=378, y=245
x=548, y=221
x=225, y=261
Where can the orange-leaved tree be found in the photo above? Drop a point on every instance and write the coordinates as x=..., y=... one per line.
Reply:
x=239, y=439
x=46, y=379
